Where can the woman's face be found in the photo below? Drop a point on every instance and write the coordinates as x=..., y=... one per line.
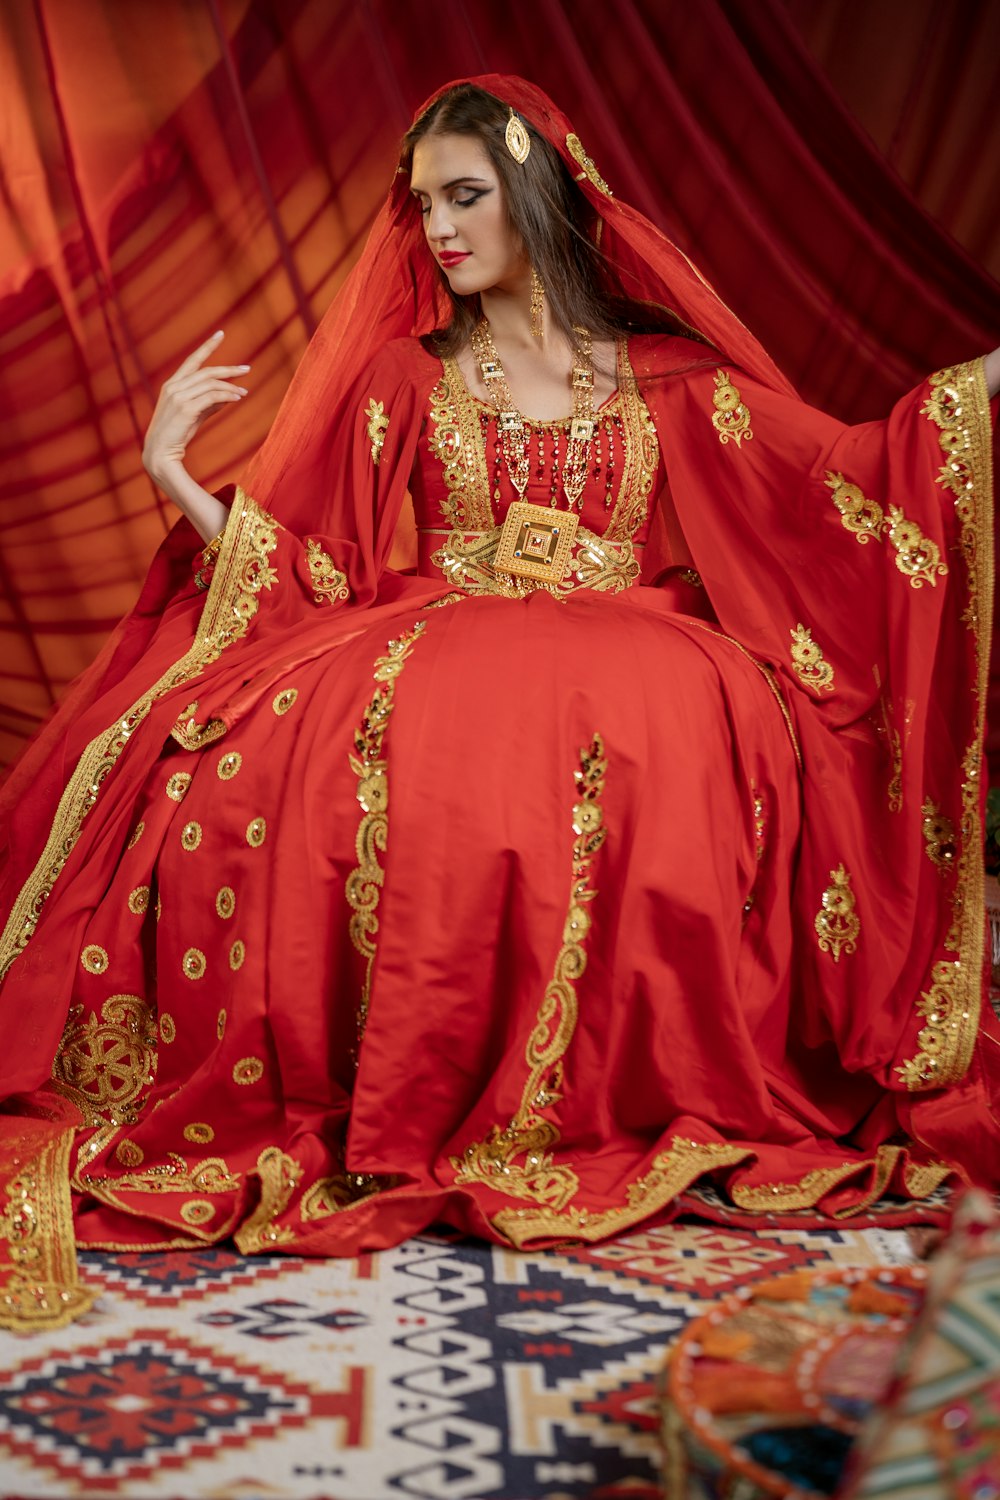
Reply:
x=465, y=216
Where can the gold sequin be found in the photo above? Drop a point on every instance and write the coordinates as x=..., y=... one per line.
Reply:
x=168, y=1029
x=138, y=901
x=194, y=963
x=248, y=1070
x=256, y=832
x=199, y=1133
x=807, y=659
x=196, y=1211
x=129, y=1154
x=225, y=902
x=137, y=833
x=837, y=923
x=731, y=418
x=177, y=786
x=284, y=700
x=229, y=765
x=220, y=1021
x=190, y=835
x=237, y=954
x=94, y=959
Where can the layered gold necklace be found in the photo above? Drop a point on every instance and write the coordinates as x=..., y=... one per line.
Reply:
x=515, y=429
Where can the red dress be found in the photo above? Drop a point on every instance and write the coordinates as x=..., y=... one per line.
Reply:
x=520, y=907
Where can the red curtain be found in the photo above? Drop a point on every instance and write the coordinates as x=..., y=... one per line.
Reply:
x=172, y=166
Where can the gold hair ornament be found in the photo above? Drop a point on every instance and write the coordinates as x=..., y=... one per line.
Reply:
x=517, y=138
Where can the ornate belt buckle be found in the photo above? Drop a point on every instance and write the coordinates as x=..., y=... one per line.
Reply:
x=535, y=542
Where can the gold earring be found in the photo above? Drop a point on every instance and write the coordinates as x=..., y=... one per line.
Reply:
x=537, y=305
x=517, y=138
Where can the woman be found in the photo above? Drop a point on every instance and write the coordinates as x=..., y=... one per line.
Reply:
x=681, y=710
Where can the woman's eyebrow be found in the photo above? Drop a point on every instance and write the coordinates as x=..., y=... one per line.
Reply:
x=455, y=182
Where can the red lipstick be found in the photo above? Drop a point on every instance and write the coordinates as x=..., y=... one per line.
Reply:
x=453, y=257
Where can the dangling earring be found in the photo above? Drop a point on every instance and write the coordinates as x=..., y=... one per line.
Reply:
x=537, y=305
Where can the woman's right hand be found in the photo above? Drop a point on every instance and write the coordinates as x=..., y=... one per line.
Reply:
x=191, y=394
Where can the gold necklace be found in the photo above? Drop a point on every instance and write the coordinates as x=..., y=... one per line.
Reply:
x=515, y=429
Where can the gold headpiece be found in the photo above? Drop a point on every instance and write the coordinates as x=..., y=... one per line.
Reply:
x=517, y=138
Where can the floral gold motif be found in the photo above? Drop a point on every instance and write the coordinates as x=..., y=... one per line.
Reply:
x=136, y=834
x=175, y=1175
x=586, y=164
x=279, y=1174
x=283, y=701
x=138, y=900
x=168, y=1030
x=248, y=1070
x=791, y=1197
x=199, y=1133
x=858, y=514
x=237, y=954
x=95, y=959
x=129, y=1154
x=229, y=765
x=939, y=836
x=334, y=1194
x=177, y=786
x=378, y=426
x=43, y=1291
x=104, y=1065
x=191, y=836
x=837, y=923
x=917, y=557
x=256, y=832
x=193, y=964
x=197, y=1211
x=328, y=582
x=731, y=418
x=225, y=902
x=812, y=670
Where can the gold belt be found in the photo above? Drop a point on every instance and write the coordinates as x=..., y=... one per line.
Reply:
x=536, y=548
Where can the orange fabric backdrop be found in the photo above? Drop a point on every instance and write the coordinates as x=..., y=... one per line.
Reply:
x=172, y=166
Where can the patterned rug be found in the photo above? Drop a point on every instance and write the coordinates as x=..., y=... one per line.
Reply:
x=445, y=1369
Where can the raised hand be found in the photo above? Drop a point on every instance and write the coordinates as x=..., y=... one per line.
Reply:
x=191, y=395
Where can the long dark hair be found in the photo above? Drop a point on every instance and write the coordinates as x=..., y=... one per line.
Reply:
x=555, y=222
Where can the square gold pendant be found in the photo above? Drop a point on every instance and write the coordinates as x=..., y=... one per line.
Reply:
x=535, y=542
x=581, y=430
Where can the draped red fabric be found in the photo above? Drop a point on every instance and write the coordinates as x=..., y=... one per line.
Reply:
x=169, y=169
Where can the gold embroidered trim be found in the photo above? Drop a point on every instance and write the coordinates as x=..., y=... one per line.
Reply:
x=917, y=557
x=456, y=439
x=858, y=514
x=529, y=1135
x=329, y=583
x=378, y=426
x=595, y=563
x=791, y=1197
x=837, y=923
x=586, y=163
x=959, y=406
x=43, y=1291
x=365, y=883
x=939, y=836
x=279, y=1177
x=731, y=418
x=104, y=1065
x=335, y=1194
x=241, y=572
x=812, y=670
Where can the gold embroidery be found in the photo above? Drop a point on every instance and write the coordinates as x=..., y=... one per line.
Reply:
x=191, y=836
x=575, y=148
x=241, y=573
x=939, y=836
x=220, y=1020
x=137, y=833
x=494, y=1161
x=174, y=1176
x=328, y=582
x=284, y=700
x=858, y=514
x=331, y=1195
x=94, y=959
x=456, y=439
x=103, y=1066
x=129, y=1154
x=197, y=1211
x=596, y=563
x=365, y=883
x=138, y=901
x=837, y=923
x=256, y=832
x=248, y=1070
x=225, y=902
x=177, y=786
x=279, y=1176
x=229, y=765
x=168, y=1028
x=917, y=557
x=791, y=1197
x=237, y=954
x=807, y=659
x=378, y=426
x=209, y=555
x=43, y=1291
x=199, y=1133
x=194, y=736
x=731, y=418
x=193, y=963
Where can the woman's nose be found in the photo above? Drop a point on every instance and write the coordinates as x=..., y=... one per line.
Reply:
x=439, y=223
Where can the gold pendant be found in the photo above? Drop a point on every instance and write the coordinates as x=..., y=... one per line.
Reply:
x=517, y=139
x=535, y=542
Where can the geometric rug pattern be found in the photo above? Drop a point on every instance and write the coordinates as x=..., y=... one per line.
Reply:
x=444, y=1368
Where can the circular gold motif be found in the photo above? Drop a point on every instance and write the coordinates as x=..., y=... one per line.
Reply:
x=256, y=832
x=137, y=833
x=248, y=1070
x=168, y=1030
x=197, y=1211
x=225, y=902
x=284, y=700
x=94, y=959
x=228, y=765
x=191, y=835
x=237, y=954
x=138, y=901
x=129, y=1154
x=177, y=786
x=199, y=1133
x=193, y=963
x=220, y=1024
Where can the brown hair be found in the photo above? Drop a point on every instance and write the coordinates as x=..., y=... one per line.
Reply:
x=555, y=222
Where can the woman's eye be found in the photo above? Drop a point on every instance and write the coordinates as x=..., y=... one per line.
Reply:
x=468, y=202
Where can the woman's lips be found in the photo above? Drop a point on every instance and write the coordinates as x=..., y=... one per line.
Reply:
x=453, y=257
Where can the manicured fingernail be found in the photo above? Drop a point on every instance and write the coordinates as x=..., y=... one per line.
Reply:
x=242, y=367
x=217, y=334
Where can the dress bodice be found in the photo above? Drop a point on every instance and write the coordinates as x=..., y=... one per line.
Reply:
x=463, y=492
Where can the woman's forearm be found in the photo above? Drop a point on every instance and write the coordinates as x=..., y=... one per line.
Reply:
x=207, y=515
x=991, y=364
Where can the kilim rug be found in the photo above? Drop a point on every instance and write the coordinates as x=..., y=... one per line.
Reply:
x=445, y=1368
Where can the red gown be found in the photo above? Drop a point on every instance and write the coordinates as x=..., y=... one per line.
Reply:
x=522, y=907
